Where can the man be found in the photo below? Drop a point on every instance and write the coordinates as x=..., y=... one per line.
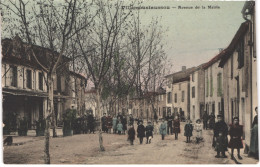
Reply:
x=119, y=116
x=104, y=123
x=169, y=120
x=109, y=123
x=91, y=123
x=131, y=120
x=236, y=133
x=222, y=127
x=205, y=118
x=212, y=121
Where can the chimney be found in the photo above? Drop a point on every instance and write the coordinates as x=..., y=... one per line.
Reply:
x=183, y=68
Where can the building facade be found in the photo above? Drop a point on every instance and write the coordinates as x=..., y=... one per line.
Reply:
x=197, y=93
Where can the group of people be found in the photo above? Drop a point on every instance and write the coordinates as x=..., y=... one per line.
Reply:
x=208, y=120
x=118, y=123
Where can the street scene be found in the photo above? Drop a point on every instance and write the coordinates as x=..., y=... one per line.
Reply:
x=129, y=82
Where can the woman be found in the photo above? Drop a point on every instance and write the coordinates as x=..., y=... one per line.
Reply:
x=198, y=127
x=114, y=122
x=141, y=132
x=163, y=129
x=176, y=127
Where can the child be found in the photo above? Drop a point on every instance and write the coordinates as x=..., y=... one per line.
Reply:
x=188, y=130
x=141, y=131
x=163, y=129
x=198, y=127
x=119, y=127
x=176, y=127
x=149, y=132
x=221, y=145
x=236, y=133
x=131, y=134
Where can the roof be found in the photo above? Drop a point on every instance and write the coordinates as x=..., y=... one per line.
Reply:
x=78, y=75
x=214, y=59
x=232, y=46
x=17, y=52
x=21, y=92
x=181, y=80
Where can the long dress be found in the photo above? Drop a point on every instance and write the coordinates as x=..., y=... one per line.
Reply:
x=254, y=140
x=114, y=123
x=198, y=128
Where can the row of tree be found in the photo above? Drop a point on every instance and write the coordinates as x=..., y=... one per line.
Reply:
x=121, y=57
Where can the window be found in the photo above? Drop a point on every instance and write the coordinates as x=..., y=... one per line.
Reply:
x=207, y=85
x=29, y=79
x=13, y=76
x=175, y=97
x=193, y=92
x=240, y=57
x=40, y=81
x=59, y=84
x=219, y=80
x=182, y=96
x=169, y=98
x=179, y=86
x=231, y=72
x=211, y=86
x=192, y=76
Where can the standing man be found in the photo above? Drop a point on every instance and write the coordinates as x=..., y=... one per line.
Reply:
x=236, y=133
x=119, y=117
x=124, y=122
x=149, y=132
x=222, y=127
x=205, y=118
x=141, y=131
x=104, y=123
x=109, y=123
x=131, y=120
x=91, y=123
x=169, y=120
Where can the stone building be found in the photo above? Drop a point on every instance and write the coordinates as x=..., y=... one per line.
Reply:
x=214, y=102
x=240, y=84
x=24, y=85
x=197, y=93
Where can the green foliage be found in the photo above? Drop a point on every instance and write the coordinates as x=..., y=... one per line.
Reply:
x=68, y=118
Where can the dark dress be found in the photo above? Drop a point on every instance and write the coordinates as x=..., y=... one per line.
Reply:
x=140, y=131
x=109, y=122
x=131, y=121
x=188, y=130
x=149, y=130
x=104, y=123
x=236, y=133
x=221, y=127
x=131, y=134
x=91, y=123
x=176, y=126
x=220, y=144
x=124, y=122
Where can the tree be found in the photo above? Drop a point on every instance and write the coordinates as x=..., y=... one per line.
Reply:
x=51, y=25
x=97, y=45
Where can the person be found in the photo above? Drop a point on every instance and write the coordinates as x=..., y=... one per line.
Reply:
x=131, y=134
x=119, y=127
x=104, y=123
x=176, y=127
x=220, y=144
x=109, y=123
x=163, y=129
x=182, y=115
x=212, y=121
x=198, y=128
x=236, y=133
x=141, y=132
x=131, y=120
x=91, y=123
x=139, y=120
x=169, y=119
x=205, y=118
x=124, y=122
x=253, y=149
x=149, y=132
x=155, y=116
x=119, y=116
x=114, y=122
x=221, y=126
x=188, y=131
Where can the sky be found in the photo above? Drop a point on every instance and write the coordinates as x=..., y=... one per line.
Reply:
x=194, y=36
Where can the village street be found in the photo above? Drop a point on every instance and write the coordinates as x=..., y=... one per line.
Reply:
x=84, y=149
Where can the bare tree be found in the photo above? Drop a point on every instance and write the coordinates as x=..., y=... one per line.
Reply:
x=51, y=25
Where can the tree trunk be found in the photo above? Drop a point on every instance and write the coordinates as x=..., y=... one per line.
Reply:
x=99, y=114
x=47, y=142
x=51, y=102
